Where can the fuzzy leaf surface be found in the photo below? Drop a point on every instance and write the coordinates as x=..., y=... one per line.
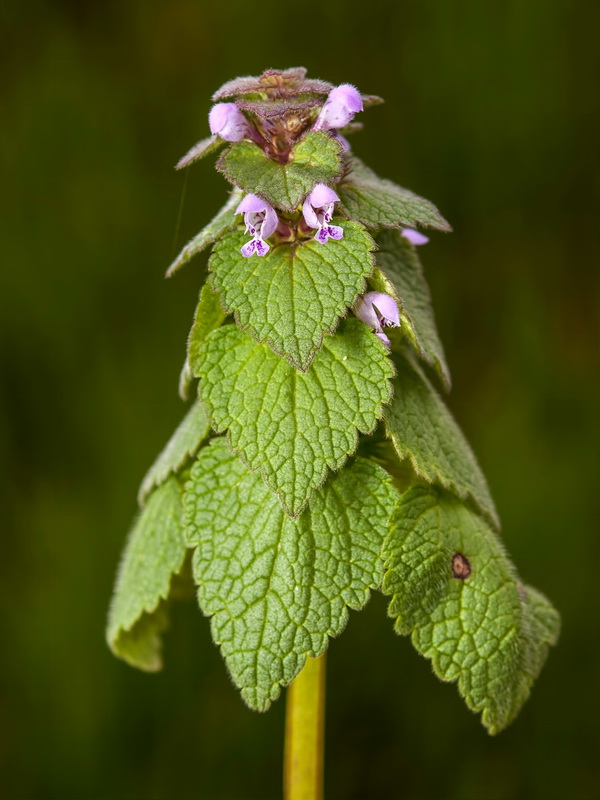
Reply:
x=202, y=148
x=295, y=293
x=400, y=274
x=424, y=431
x=292, y=425
x=379, y=203
x=192, y=431
x=155, y=551
x=278, y=588
x=314, y=159
x=221, y=222
x=455, y=590
x=209, y=315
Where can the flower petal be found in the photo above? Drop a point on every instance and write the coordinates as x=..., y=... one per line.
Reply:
x=347, y=95
x=309, y=214
x=262, y=248
x=322, y=236
x=366, y=313
x=270, y=223
x=248, y=249
x=252, y=203
x=414, y=237
x=387, y=308
x=335, y=232
x=226, y=120
x=384, y=339
x=322, y=195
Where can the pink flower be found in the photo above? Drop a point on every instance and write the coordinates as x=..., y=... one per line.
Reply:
x=341, y=105
x=318, y=212
x=379, y=311
x=226, y=120
x=414, y=237
x=260, y=220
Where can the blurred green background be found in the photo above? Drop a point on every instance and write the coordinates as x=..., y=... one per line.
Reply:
x=492, y=112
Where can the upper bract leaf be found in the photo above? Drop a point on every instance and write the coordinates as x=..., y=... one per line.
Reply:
x=202, y=148
x=314, y=159
x=155, y=551
x=456, y=591
x=295, y=293
x=277, y=588
x=222, y=222
x=274, y=82
x=400, y=274
x=292, y=425
x=423, y=430
x=186, y=440
x=379, y=203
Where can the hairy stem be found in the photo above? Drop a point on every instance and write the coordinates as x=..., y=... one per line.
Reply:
x=304, y=727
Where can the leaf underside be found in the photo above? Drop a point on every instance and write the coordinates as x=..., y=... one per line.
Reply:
x=379, y=203
x=314, y=159
x=202, y=148
x=221, y=222
x=455, y=590
x=292, y=425
x=400, y=274
x=295, y=293
x=278, y=588
x=192, y=431
x=154, y=553
x=423, y=431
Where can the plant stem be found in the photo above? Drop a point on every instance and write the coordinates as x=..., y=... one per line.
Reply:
x=304, y=728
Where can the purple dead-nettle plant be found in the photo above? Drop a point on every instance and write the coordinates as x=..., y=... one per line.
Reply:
x=308, y=428
x=318, y=213
x=261, y=222
x=379, y=311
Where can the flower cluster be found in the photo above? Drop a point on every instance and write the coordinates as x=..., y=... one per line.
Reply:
x=261, y=219
x=227, y=121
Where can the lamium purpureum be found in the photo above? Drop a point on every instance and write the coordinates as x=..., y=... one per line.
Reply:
x=318, y=461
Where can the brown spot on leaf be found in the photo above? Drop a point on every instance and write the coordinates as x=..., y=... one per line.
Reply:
x=461, y=566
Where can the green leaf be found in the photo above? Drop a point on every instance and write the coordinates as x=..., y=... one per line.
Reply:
x=277, y=588
x=184, y=443
x=314, y=159
x=424, y=432
x=222, y=222
x=208, y=316
x=291, y=425
x=202, y=148
x=295, y=293
x=455, y=590
x=154, y=553
x=400, y=274
x=379, y=203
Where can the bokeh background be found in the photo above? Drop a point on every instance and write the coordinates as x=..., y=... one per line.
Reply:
x=492, y=112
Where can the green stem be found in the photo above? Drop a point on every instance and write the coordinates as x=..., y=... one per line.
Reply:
x=304, y=727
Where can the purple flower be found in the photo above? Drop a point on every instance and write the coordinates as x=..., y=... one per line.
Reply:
x=261, y=221
x=379, y=311
x=414, y=237
x=318, y=211
x=226, y=120
x=341, y=105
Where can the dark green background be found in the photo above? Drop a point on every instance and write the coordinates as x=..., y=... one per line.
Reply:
x=491, y=112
